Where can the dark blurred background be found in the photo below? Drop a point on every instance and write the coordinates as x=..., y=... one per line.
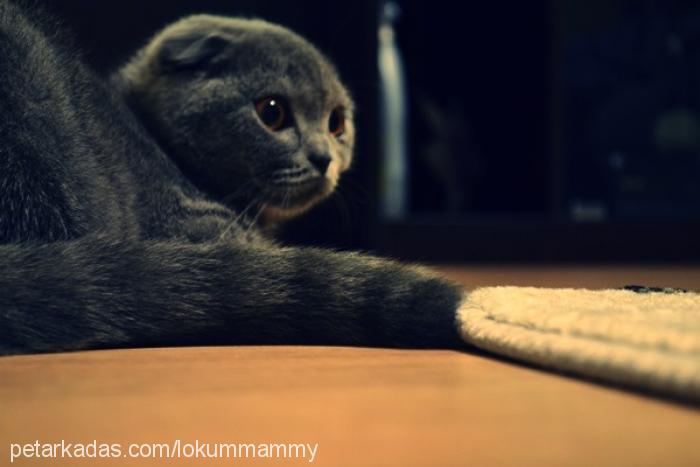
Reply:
x=536, y=131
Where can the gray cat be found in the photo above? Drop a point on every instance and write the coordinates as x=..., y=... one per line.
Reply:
x=132, y=214
x=250, y=112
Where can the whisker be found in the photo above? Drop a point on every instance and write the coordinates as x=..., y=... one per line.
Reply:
x=285, y=200
x=237, y=218
x=255, y=219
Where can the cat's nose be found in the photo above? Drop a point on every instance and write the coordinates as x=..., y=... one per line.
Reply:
x=320, y=162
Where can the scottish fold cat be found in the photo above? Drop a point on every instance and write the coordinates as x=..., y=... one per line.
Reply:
x=134, y=212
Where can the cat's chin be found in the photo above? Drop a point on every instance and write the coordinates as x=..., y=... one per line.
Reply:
x=277, y=214
x=275, y=211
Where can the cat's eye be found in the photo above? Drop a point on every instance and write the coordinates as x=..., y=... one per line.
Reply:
x=273, y=112
x=336, y=122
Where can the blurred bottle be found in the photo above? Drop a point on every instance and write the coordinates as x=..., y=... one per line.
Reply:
x=393, y=109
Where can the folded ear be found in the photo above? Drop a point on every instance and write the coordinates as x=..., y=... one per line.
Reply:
x=188, y=52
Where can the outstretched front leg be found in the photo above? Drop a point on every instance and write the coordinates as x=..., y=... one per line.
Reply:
x=97, y=294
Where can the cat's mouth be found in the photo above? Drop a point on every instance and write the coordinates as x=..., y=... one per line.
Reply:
x=289, y=198
x=289, y=194
x=282, y=199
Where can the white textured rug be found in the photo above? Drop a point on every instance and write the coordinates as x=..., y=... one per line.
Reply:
x=645, y=340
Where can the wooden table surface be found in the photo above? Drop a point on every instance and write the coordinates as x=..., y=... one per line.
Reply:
x=362, y=406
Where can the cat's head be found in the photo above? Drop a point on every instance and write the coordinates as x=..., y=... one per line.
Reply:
x=251, y=112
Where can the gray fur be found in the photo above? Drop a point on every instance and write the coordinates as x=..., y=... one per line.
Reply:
x=194, y=86
x=122, y=225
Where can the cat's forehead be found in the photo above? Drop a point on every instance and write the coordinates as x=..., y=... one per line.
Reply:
x=257, y=57
x=256, y=44
x=279, y=56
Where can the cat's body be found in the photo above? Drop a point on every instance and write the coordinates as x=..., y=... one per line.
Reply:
x=113, y=235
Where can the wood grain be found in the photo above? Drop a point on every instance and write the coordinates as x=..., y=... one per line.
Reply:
x=592, y=276
x=363, y=406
